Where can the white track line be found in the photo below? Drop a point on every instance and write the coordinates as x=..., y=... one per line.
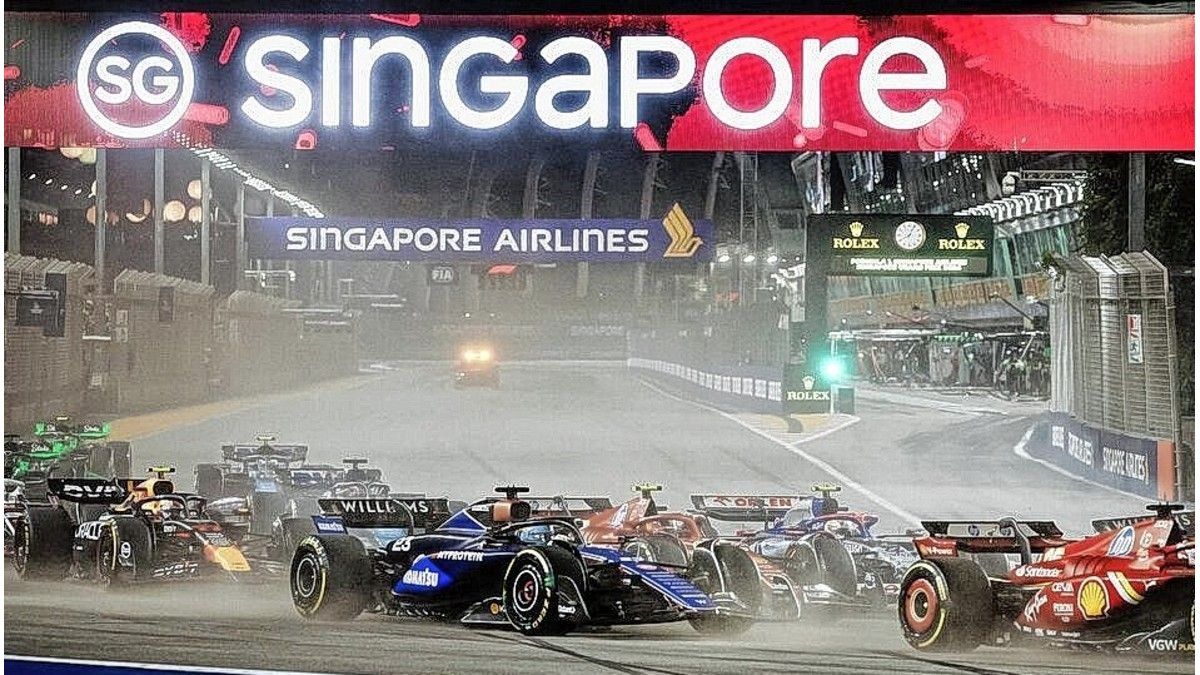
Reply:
x=152, y=666
x=795, y=449
x=1020, y=451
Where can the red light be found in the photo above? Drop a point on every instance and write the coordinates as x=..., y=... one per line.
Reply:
x=230, y=43
x=646, y=139
x=501, y=270
x=207, y=113
x=408, y=20
x=12, y=72
x=307, y=140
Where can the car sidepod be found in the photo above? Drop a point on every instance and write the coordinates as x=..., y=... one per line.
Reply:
x=653, y=594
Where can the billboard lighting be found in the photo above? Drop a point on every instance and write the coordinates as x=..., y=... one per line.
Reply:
x=749, y=258
x=223, y=162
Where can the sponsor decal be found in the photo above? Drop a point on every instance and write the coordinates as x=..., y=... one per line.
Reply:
x=126, y=550
x=426, y=578
x=932, y=550
x=1063, y=609
x=1055, y=553
x=1127, y=464
x=1031, y=572
x=758, y=502
x=1121, y=544
x=178, y=569
x=1093, y=599
x=367, y=506
x=1063, y=587
x=73, y=491
x=973, y=530
x=90, y=530
x=331, y=525
x=1080, y=449
x=460, y=556
x=1035, y=605
x=1170, y=645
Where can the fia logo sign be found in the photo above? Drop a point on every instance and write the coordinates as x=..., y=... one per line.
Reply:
x=160, y=76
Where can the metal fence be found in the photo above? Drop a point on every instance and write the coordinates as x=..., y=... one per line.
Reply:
x=1112, y=327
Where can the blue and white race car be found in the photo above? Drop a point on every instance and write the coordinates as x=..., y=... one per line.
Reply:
x=489, y=564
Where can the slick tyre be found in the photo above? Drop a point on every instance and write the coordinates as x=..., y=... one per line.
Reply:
x=42, y=544
x=291, y=532
x=330, y=577
x=122, y=553
x=535, y=583
x=209, y=481
x=726, y=569
x=946, y=605
x=657, y=548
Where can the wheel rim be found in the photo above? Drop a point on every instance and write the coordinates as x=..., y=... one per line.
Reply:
x=921, y=605
x=526, y=587
x=306, y=577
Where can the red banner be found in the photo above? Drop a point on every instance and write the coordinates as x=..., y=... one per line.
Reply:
x=782, y=83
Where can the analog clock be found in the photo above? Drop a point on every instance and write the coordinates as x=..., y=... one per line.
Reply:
x=910, y=235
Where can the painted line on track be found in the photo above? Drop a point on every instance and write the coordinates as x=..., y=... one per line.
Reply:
x=132, y=665
x=796, y=450
x=1020, y=451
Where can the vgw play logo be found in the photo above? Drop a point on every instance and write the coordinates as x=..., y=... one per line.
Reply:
x=157, y=87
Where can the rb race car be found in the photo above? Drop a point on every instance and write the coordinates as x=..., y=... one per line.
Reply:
x=881, y=559
x=149, y=532
x=490, y=564
x=476, y=365
x=1128, y=588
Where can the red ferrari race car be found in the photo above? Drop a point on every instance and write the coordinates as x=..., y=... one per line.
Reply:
x=1130, y=587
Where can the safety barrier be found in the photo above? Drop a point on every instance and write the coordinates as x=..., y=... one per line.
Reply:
x=1136, y=464
x=739, y=388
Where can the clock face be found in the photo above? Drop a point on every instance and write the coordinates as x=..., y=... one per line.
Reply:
x=910, y=235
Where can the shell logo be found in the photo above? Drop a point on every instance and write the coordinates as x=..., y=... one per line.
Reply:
x=1093, y=599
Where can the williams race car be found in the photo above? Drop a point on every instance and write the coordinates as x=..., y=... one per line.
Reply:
x=489, y=564
x=148, y=532
x=1128, y=587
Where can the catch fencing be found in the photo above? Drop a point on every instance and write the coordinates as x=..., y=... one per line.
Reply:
x=1114, y=371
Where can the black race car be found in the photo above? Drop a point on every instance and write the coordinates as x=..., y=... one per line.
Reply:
x=146, y=532
x=489, y=564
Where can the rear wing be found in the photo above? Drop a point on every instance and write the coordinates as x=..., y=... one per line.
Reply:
x=574, y=507
x=1186, y=520
x=241, y=452
x=990, y=529
x=87, y=431
x=745, y=508
x=408, y=512
x=86, y=490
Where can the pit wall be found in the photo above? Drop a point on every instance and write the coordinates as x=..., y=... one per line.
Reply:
x=736, y=388
x=126, y=353
x=1135, y=464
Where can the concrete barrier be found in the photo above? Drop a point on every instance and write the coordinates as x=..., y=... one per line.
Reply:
x=745, y=388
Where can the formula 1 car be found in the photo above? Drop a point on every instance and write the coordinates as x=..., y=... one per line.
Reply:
x=251, y=487
x=880, y=559
x=489, y=564
x=14, y=512
x=63, y=449
x=148, y=532
x=477, y=365
x=1130, y=587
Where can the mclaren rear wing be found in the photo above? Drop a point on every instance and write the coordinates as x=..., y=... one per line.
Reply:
x=408, y=512
x=737, y=508
x=567, y=506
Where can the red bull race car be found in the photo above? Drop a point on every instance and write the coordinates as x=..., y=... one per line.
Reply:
x=145, y=531
x=1129, y=587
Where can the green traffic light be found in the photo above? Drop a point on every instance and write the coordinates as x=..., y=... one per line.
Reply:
x=832, y=369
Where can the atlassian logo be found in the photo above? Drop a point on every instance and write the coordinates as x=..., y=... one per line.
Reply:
x=1122, y=544
x=155, y=80
x=421, y=578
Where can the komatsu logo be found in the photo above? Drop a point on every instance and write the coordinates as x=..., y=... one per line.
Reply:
x=421, y=578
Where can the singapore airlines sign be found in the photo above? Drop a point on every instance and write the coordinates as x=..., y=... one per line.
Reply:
x=161, y=81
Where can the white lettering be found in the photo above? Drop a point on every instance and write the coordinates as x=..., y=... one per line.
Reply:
x=364, y=55
x=594, y=112
x=871, y=81
x=816, y=58
x=515, y=88
x=633, y=85
x=781, y=72
x=257, y=69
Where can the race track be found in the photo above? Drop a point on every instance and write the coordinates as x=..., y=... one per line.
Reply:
x=574, y=429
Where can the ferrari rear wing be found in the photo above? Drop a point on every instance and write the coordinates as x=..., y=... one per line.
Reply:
x=574, y=507
x=989, y=529
x=409, y=512
x=745, y=508
x=1185, y=519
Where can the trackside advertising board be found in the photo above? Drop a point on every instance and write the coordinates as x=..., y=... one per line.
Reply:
x=903, y=245
x=1142, y=466
x=675, y=237
x=675, y=82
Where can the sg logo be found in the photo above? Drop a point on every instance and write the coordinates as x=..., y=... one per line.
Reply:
x=154, y=80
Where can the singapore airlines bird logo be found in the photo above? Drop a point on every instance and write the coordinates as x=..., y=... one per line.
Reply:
x=684, y=241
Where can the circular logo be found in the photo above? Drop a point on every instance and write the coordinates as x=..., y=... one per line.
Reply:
x=154, y=80
x=910, y=235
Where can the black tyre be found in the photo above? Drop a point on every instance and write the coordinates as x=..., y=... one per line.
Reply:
x=330, y=577
x=99, y=459
x=726, y=569
x=657, y=548
x=122, y=458
x=265, y=507
x=209, y=481
x=291, y=532
x=42, y=544
x=123, y=553
x=946, y=605
x=535, y=582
